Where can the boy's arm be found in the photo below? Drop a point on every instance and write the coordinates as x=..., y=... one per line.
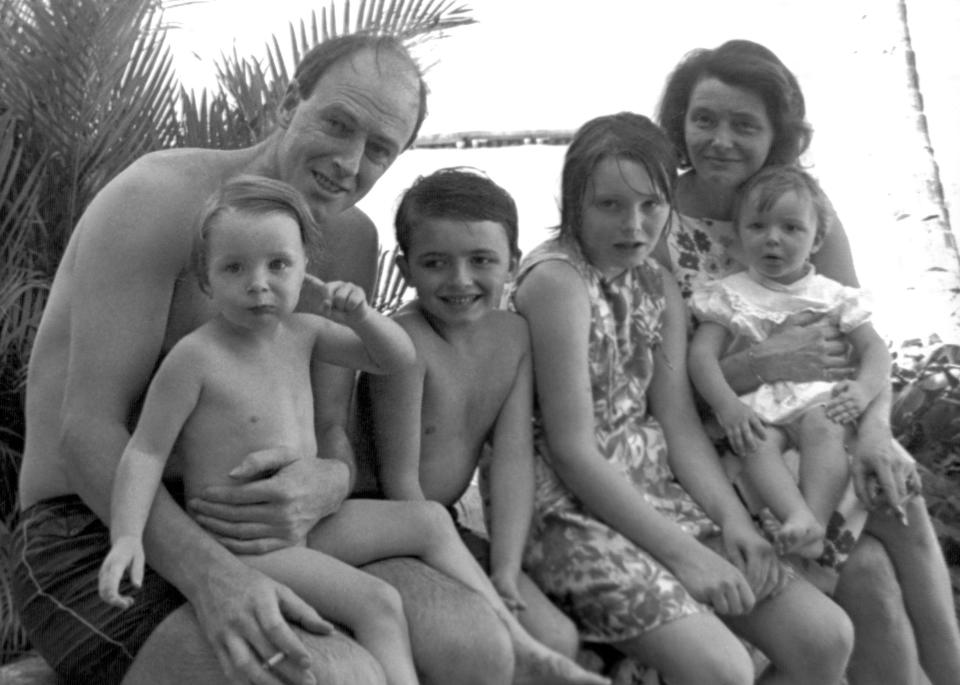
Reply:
x=511, y=474
x=396, y=404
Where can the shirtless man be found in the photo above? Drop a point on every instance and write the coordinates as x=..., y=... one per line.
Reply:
x=122, y=296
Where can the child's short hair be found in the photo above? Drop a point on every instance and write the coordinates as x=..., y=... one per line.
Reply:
x=770, y=184
x=456, y=193
x=256, y=195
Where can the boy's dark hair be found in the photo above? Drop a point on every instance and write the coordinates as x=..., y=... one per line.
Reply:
x=626, y=136
x=255, y=195
x=770, y=184
x=456, y=193
x=751, y=67
x=315, y=63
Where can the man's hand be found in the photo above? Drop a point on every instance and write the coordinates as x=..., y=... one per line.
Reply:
x=278, y=499
x=246, y=617
x=883, y=475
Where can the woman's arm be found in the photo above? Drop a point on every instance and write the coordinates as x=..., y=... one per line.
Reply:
x=556, y=305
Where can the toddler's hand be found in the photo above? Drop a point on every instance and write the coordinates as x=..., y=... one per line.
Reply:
x=506, y=585
x=847, y=402
x=342, y=302
x=126, y=553
x=742, y=426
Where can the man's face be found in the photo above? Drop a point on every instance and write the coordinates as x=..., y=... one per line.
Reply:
x=338, y=142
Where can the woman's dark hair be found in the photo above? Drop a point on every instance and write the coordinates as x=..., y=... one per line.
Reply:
x=250, y=194
x=625, y=136
x=459, y=193
x=754, y=68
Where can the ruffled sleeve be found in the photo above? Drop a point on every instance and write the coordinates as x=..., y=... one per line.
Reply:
x=854, y=309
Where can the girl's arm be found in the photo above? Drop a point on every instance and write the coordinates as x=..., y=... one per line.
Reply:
x=739, y=422
x=512, y=480
x=556, y=305
x=396, y=404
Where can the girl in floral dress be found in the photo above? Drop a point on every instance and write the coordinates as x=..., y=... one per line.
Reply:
x=637, y=534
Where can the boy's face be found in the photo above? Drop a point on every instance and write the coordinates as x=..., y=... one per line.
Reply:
x=256, y=267
x=778, y=242
x=458, y=268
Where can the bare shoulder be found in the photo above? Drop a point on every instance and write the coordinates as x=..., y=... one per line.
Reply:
x=508, y=327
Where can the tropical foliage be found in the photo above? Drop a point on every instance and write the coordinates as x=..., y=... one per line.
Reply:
x=87, y=86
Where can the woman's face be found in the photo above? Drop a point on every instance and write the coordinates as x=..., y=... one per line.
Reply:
x=623, y=216
x=727, y=132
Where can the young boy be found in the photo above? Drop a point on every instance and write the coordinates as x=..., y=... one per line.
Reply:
x=240, y=383
x=472, y=384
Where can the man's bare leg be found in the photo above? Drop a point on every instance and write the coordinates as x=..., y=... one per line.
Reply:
x=177, y=653
x=446, y=619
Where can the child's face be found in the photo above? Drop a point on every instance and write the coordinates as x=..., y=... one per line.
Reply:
x=623, y=216
x=256, y=267
x=778, y=242
x=458, y=268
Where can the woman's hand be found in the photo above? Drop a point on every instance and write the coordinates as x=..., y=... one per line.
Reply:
x=713, y=580
x=884, y=475
x=755, y=557
x=807, y=348
x=277, y=500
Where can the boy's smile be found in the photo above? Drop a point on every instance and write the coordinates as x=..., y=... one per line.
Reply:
x=458, y=268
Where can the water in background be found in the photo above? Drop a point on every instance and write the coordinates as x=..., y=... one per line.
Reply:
x=530, y=173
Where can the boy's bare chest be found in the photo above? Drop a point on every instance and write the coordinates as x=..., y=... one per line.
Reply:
x=466, y=392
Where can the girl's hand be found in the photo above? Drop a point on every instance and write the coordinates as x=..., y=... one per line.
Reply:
x=742, y=426
x=847, y=402
x=506, y=585
x=340, y=301
x=713, y=580
x=806, y=348
x=125, y=554
x=755, y=557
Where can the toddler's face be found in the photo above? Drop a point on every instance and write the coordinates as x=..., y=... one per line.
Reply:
x=623, y=216
x=458, y=268
x=778, y=241
x=256, y=267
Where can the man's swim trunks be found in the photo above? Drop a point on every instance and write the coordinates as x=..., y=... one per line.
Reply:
x=58, y=547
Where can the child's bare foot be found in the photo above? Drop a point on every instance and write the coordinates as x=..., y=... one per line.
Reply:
x=800, y=534
x=537, y=663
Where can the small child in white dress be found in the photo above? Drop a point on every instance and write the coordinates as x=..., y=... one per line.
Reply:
x=780, y=220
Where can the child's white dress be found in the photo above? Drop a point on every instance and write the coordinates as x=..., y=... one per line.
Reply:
x=752, y=307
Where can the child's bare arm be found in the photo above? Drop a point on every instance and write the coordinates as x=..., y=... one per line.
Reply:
x=373, y=343
x=170, y=399
x=396, y=405
x=851, y=398
x=512, y=483
x=740, y=423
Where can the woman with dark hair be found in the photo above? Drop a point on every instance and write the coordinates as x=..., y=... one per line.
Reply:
x=729, y=112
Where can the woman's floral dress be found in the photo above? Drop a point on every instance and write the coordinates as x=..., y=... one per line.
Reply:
x=611, y=588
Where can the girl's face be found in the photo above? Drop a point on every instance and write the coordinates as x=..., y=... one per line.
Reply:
x=256, y=266
x=778, y=241
x=727, y=132
x=622, y=218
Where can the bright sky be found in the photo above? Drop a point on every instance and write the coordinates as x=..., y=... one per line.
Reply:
x=539, y=63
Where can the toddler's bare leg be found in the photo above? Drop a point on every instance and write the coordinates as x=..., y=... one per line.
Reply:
x=369, y=607
x=800, y=532
x=364, y=530
x=823, y=463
